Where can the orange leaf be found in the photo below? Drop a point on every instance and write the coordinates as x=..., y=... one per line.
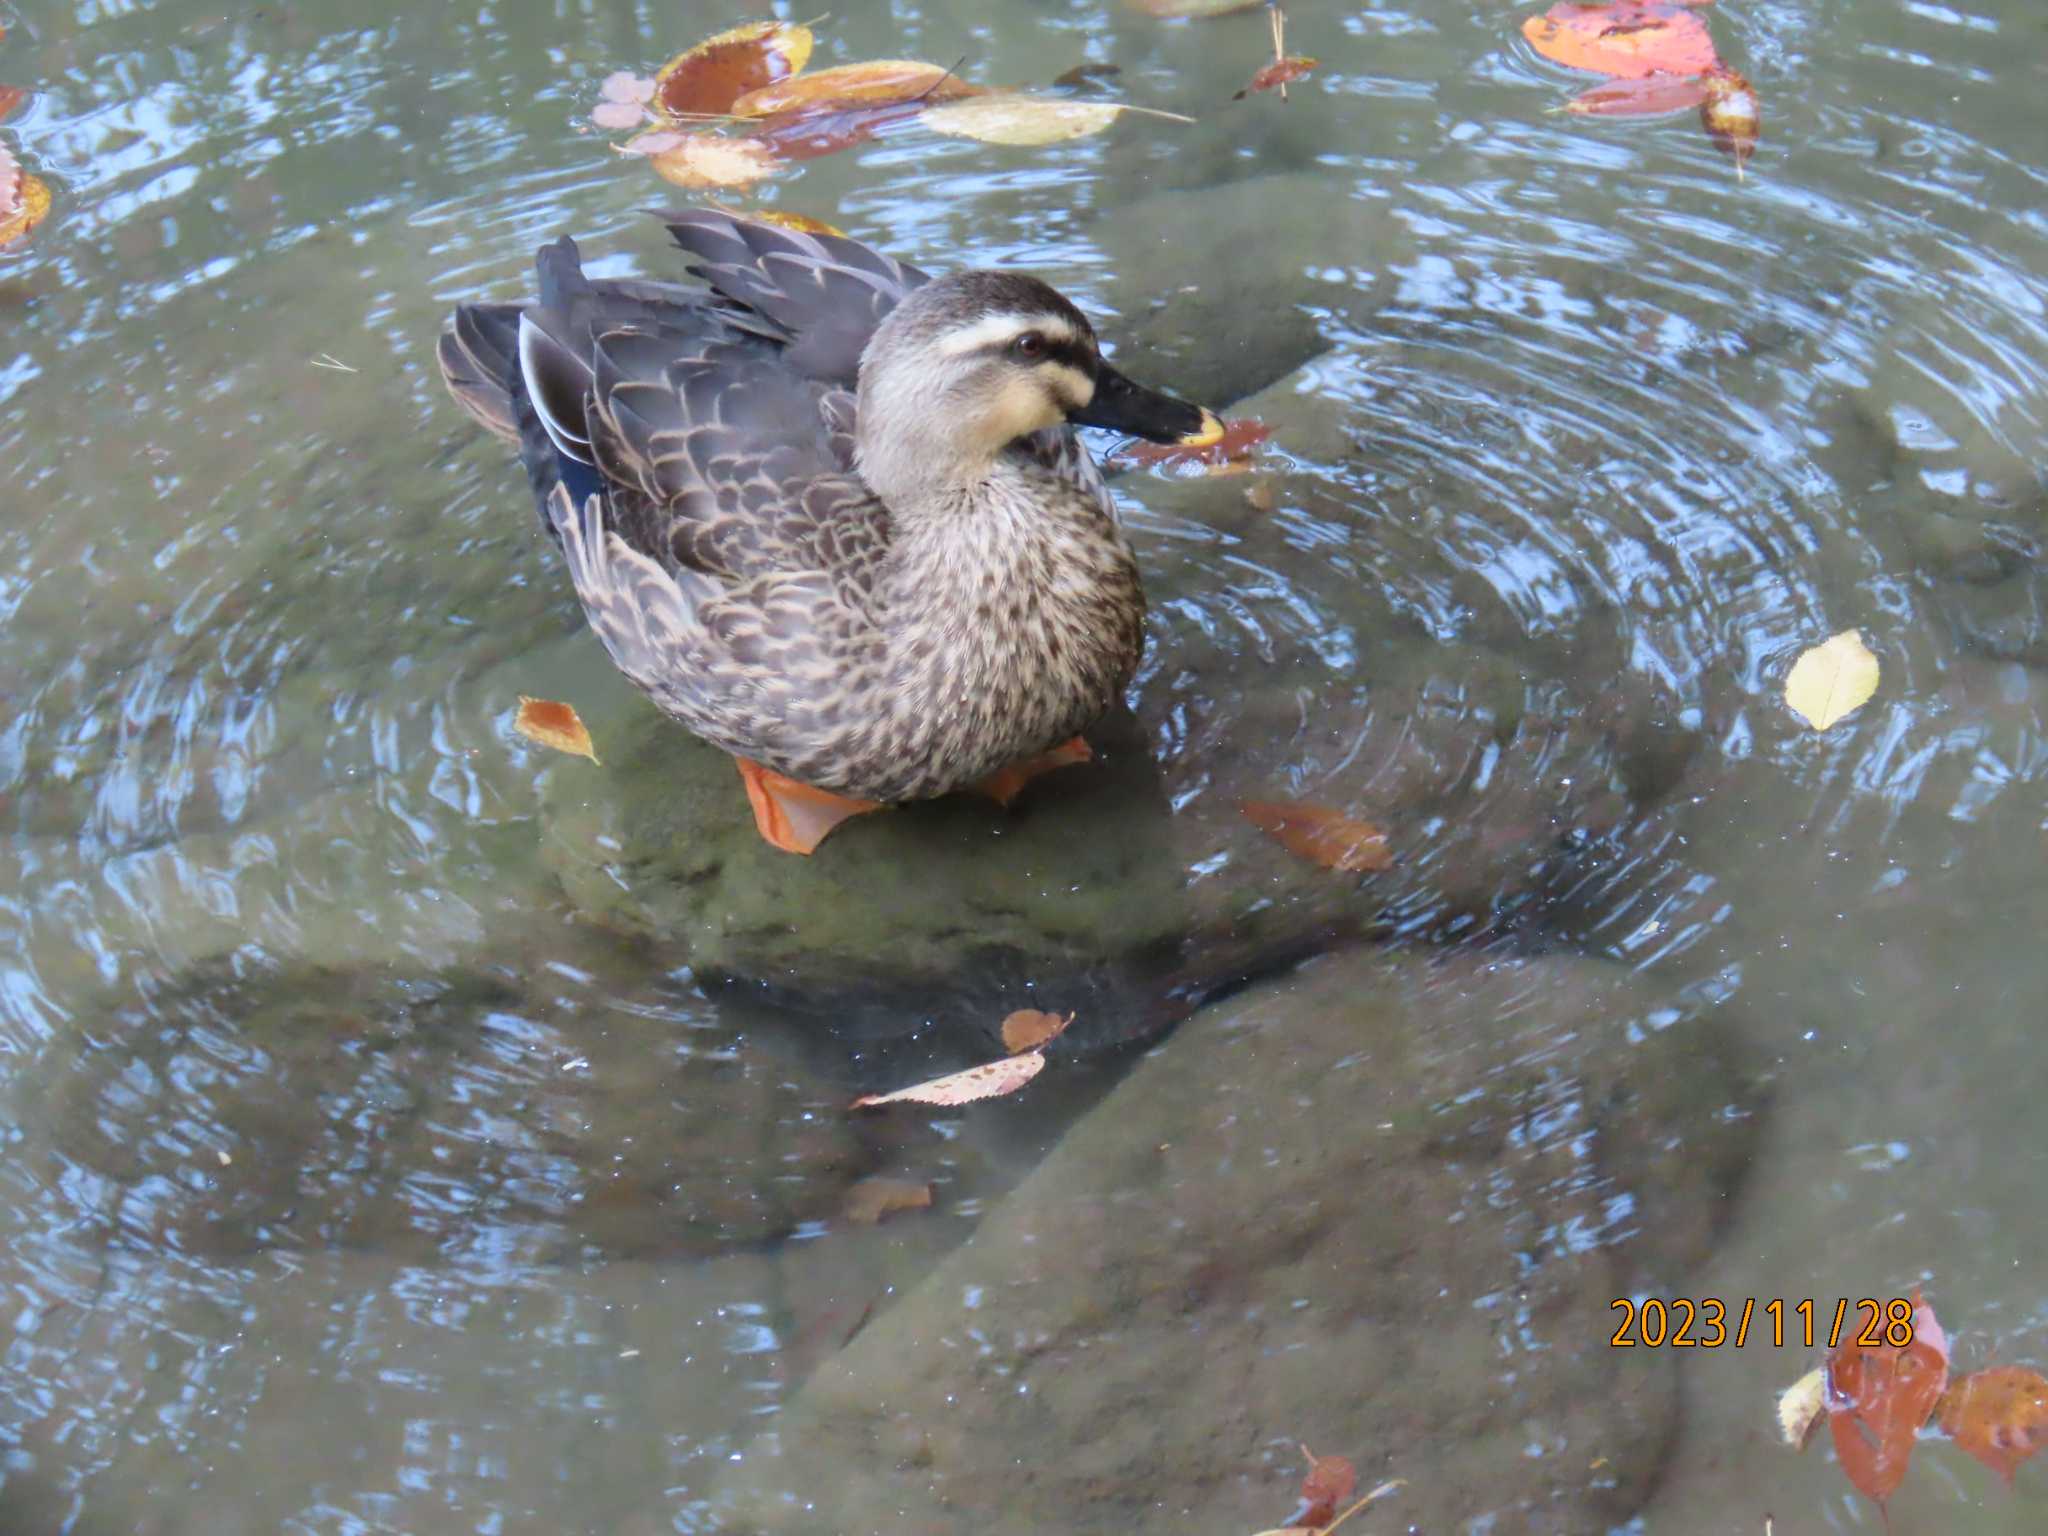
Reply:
x=1239, y=438
x=1879, y=1396
x=1731, y=116
x=714, y=75
x=1998, y=1415
x=553, y=725
x=1628, y=39
x=868, y=1201
x=1027, y=1029
x=989, y=1080
x=1280, y=72
x=802, y=223
x=11, y=96
x=1321, y=835
x=1649, y=96
x=879, y=82
x=1329, y=1483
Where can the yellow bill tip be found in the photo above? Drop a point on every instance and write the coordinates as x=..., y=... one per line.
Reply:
x=1210, y=431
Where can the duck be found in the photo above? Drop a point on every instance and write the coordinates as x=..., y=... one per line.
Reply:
x=828, y=511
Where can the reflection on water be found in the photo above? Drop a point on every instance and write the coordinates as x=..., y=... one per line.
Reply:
x=365, y=1171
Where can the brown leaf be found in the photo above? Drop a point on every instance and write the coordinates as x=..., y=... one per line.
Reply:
x=802, y=223
x=11, y=96
x=1027, y=1029
x=1321, y=835
x=1731, y=115
x=990, y=1080
x=1329, y=1483
x=869, y=1200
x=1280, y=72
x=1628, y=39
x=1235, y=446
x=1999, y=1415
x=553, y=725
x=713, y=76
x=1879, y=1396
x=879, y=82
x=1082, y=75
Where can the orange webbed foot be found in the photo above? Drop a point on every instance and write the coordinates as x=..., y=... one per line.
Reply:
x=1005, y=784
x=795, y=817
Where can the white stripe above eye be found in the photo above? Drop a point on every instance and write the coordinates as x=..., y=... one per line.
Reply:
x=991, y=330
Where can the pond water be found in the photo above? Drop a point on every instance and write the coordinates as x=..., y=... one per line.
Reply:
x=410, y=1129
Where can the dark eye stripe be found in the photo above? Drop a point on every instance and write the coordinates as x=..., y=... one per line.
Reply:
x=1077, y=355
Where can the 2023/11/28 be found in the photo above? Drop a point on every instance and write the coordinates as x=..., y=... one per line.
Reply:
x=1657, y=1323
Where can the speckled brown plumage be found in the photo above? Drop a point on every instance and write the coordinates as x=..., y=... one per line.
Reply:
x=714, y=465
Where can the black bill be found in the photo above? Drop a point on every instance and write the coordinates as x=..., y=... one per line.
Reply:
x=1122, y=406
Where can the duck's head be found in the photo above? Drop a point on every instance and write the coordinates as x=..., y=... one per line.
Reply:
x=969, y=363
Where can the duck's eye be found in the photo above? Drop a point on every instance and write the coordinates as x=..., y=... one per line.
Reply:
x=1030, y=346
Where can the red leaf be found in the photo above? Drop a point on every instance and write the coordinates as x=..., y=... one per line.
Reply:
x=1280, y=72
x=805, y=134
x=1999, y=1415
x=1322, y=835
x=11, y=96
x=1879, y=1396
x=1329, y=1483
x=1628, y=39
x=1650, y=96
x=1239, y=438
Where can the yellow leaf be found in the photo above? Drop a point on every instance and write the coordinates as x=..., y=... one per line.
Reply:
x=868, y=1201
x=1017, y=119
x=878, y=82
x=24, y=200
x=1832, y=680
x=1801, y=1405
x=989, y=1080
x=706, y=160
x=553, y=725
x=802, y=223
x=1027, y=1029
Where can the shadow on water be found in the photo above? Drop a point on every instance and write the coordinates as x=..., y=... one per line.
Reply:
x=409, y=1129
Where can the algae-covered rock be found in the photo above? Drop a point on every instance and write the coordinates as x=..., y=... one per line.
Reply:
x=1382, y=1207
x=248, y=1107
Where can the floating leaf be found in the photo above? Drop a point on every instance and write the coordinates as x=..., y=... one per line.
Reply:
x=624, y=85
x=869, y=1200
x=1027, y=1029
x=807, y=135
x=714, y=76
x=707, y=160
x=879, y=82
x=1278, y=73
x=1013, y=118
x=1832, y=680
x=1329, y=1483
x=1234, y=447
x=990, y=1080
x=553, y=725
x=615, y=115
x=1800, y=1407
x=11, y=96
x=1999, y=1415
x=1322, y=835
x=1628, y=39
x=1731, y=116
x=1649, y=96
x=1084, y=75
x=1878, y=1397
x=802, y=223
x=655, y=141
x=24, y=200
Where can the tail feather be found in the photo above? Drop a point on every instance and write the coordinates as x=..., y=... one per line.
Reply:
x=476, y=356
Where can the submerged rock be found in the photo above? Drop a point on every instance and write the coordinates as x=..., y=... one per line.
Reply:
x=1381, y=1206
